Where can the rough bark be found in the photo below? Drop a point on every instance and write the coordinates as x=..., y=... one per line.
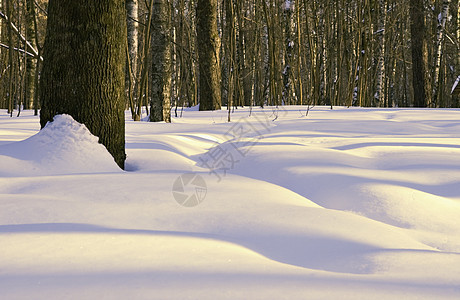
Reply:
x=160, y=105
x=418, y=46
x=208, y=44
x=84, y=68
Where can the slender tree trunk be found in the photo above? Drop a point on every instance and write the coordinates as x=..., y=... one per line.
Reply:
x=10, y=58
x=208, y=44
x=299, y=45
x=380, y=86
x=31, y=64
x=84, y=68
x=132, y=12
x=458, y=38
x=132, y=19
x=442, y=19
x=289, y=52
x=418, y=47
x=230, y=53
x=160, y=105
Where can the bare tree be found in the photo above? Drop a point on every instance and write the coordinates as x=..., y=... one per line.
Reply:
x=84, y=68
x=418, y=47
x=208, y=45
x=160, y=47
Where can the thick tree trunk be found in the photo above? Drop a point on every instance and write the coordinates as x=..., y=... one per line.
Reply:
x=160, y=105
x=418, y=47
x=84, y=68
x=208, y=44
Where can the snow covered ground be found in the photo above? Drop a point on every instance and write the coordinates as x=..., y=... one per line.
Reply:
x=340, y=204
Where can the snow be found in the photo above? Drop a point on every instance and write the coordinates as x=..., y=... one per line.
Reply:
x=350, y=203
x=64, y=146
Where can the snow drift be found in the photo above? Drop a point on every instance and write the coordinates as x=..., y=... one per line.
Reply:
x=344, y=204
x=64, y=146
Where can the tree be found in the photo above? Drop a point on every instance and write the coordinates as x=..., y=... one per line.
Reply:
x=380, y=88
x=132, y=16
x=442, y=19
x=160, y=104
x=208, y=44
x=418, y=46
x=84, y=68
x=31, y=64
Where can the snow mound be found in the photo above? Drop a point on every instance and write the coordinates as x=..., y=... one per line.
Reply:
x=64, y=146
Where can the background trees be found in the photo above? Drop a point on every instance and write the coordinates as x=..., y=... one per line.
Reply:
x=272, y=52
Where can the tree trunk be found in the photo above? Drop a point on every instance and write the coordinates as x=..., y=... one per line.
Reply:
x=288, y=90
x=160, y=85
x=132, y=12
x=418, y=47
x=380, y=85
x=84, y=68
x=132, y=18
x=10, y=58
x=442, y=19
x=208, y=45
x=458, y=38
x=31, y=64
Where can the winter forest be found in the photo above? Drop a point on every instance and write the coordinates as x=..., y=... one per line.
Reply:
x=355, y=53
x=205, y=149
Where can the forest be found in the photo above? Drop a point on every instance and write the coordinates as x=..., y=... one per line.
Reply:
x=205, y=149
x=369, y=53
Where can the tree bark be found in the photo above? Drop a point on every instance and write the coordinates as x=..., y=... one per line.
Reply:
x=30, y=62
x=160, y=105
x=10, y=58
x=380, y=84
x=208, y=44
x=418, y=47
x=442, y=19
x=84, y=68
x=132, y=18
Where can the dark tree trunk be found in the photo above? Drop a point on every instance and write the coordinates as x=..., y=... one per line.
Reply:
x=208, y=45
x=418, y=40
x=84, y=68
x=31, y=63
x=132, y=19
x=160, y=106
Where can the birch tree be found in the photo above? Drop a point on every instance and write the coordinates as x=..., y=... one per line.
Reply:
x=442, y=19
x=380, y=81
